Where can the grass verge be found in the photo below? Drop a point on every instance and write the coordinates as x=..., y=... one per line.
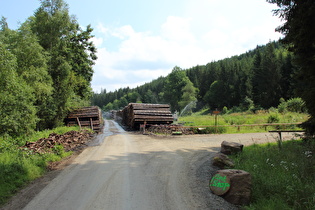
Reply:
x=19, y=167
x=282, y=178
x=232, y=123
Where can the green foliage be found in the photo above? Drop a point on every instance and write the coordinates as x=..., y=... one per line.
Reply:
x=173, y=91
x=16, y=170
x=32, y=67
x=210, y=130
x=254, y=80
x=108, y=107
x=189, y=95
x=20, y=166
x=299, y=31
x=273, y=118
x=132, y=97
x=281, y=178
x=150, y=97
x=296, y=105
x=71, y=57
x=17, y=113
x=215, y=95
x=224, y=110
x=292, y=105
x=203, y=119
x=48, y=69
x=282, y=107
x=266, y=78
x=248, y=104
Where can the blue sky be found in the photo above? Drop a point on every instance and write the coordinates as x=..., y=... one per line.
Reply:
x=140, y=40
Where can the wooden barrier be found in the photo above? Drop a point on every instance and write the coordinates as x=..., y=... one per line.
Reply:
x=285, y=131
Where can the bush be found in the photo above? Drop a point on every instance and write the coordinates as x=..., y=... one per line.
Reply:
x=292, y=105
x=296, y=105
x=224, y=110
x=273, y=118
x=235, y=109
x=282, y=108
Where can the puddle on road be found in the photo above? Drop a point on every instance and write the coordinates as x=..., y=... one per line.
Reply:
x=110, y=128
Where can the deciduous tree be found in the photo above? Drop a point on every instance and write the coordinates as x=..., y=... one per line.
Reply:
x=17, y=115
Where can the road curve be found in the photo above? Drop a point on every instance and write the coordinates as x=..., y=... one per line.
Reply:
x=131, y=171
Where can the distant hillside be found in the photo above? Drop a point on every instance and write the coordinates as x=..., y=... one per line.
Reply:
x=257, y=78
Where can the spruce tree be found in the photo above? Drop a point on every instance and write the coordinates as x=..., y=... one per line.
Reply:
x=299, y=31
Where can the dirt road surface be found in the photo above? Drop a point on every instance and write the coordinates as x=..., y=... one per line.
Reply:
x=123, y=170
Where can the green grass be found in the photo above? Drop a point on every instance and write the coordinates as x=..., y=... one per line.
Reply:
x=231, y=121
x=18, y=167
x=44, y=134
x=281, y=178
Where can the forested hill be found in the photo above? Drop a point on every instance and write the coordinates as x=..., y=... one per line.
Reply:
x=256, y=79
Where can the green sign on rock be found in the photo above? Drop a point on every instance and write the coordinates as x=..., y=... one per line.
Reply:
x=219, y=184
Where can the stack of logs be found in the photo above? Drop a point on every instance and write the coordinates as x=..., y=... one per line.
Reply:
x=136, y=114
x=90, y=117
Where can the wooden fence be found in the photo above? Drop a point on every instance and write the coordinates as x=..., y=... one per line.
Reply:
x=238, y=127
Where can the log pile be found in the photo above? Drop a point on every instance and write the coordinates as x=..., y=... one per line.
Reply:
x=70, y=141
x=90, y=117
x=136, y=114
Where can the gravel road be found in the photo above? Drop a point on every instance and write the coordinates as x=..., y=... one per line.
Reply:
x=124, y=170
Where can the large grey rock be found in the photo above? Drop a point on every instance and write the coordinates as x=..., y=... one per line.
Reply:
x=229, y=148
x=222, y=161
x=240, y=186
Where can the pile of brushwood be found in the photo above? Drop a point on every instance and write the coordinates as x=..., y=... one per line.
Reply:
x=71, y=141
x=169, y=129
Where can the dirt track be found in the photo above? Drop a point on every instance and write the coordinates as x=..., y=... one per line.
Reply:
x=130, y=171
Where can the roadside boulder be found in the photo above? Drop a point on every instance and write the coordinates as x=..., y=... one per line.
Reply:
x=240, y=186
x=220, y=184
x=229, y=148
x=221, y=160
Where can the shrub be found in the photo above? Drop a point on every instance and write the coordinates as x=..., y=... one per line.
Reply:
x=224, y=110
x=296, y=105
x=272, y=109
x=273, y=118
x=282, y=108
x=292, y=105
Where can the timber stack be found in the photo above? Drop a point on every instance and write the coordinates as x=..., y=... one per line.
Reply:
x=136, y=114
x=90, y=117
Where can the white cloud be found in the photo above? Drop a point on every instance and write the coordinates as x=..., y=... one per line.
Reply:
x=177, y=29
x=123, y=32
x=97, y=41
x=141, y=56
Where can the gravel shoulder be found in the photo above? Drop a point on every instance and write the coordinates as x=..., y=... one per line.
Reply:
x=123, y=170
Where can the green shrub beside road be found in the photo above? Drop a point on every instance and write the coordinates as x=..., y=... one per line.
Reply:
x=282, y=178
x=20, y=166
